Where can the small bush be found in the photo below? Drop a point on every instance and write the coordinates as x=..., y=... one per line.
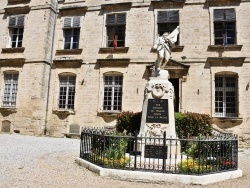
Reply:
x=129, y=122
x=192, y=124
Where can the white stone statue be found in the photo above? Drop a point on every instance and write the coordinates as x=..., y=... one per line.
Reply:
x=164, y=45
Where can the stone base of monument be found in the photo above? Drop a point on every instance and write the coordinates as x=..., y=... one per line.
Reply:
x=153, y=150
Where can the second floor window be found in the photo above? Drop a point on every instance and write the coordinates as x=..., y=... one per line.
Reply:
x=167, y=21
x=10, y=89
x=224, y=26
x=71, y=30
x=112, y=93
x=66, y=92
x=116, y=26
x=16, y=27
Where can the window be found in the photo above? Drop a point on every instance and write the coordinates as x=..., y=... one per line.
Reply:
x=116, y=24
x=10, y=89
x=67, y=92
x=16, y=25
x=112, y=93
x=225, y=96
x=71, y=29
x=224, y=26
x=167, y=22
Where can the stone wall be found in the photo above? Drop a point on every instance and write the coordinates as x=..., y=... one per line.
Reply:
x=196, y=87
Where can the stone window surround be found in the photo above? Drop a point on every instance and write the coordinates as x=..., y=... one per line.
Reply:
x=109, y=71
x=212, y=46
x=177, y=48
x=222, y=71
x=55, y=109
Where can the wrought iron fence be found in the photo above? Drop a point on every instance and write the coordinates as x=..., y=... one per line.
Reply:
x=196, y=156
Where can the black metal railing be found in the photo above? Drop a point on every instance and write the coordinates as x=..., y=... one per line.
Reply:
x=196, y=156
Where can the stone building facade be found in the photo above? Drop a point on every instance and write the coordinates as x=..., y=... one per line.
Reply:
x=68, y=64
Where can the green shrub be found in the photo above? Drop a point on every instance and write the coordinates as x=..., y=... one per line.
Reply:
x=192, y=124
x=129, y=122
x=187, y=124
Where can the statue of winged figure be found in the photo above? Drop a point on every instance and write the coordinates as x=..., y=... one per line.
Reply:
x=164, y=45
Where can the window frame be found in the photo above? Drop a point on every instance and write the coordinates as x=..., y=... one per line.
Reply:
x=9, y=98
x=116, y=25
x=221, y=20
x=169, y=19
x=63, y=103
x=225, y=97
x=16, y=28
x=115, y=105
x=72, y=24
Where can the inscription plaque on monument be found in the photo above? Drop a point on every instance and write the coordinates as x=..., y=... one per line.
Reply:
x=153, y=151
x=157, y=111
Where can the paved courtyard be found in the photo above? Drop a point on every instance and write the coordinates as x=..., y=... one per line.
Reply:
x=27, y=161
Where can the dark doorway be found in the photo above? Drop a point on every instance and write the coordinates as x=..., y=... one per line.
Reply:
x=175, y=82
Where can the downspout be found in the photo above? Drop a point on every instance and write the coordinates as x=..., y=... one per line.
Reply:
x=51, y=63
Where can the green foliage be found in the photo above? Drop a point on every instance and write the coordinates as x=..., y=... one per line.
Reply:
x=192, y=124
x=129, y=122
x=109, y=149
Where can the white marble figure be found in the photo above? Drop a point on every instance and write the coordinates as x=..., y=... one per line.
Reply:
x=164, y=45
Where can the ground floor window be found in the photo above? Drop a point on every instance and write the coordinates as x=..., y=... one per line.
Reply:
x=226, y=96
x=112, y=100
x=66, y=92
x=10, y=89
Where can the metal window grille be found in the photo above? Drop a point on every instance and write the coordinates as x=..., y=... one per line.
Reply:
x=225, y=96
x=10, y=89
x=116, y=26
x=71, y=38
x=112, y=93
x=67, y=92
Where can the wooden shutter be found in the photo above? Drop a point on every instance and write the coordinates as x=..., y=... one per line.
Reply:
x=110, y=19
x=168, y=16
x=16, y=21
x=115, y=19
x=121, y=18
x=224, y=15
x=72, y=22
x=230, y=14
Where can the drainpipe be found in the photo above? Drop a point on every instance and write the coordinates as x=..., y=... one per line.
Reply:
x=51, y=63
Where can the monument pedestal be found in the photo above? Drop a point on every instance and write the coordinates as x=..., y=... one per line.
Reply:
x=157, y=118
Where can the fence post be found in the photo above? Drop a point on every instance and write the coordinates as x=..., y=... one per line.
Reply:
x=136, y=140
x=164, y=153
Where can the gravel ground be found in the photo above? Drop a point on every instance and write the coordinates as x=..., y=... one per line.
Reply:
x=27, y=161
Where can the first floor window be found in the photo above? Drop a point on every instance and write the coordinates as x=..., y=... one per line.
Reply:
x=112, y=93
x=16, y=27
x=71, y=38
x=116, y=26
x=167, y=22
x=16, y=37
x=71, y=31
x=226, y=96
x=224, y=26
x=67, y=92
x=10, y=89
